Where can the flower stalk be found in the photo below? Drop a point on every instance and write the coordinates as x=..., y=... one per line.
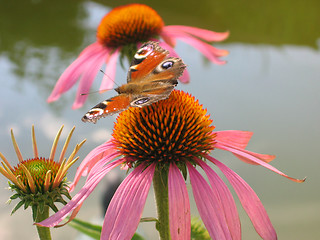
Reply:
x=43, y=232
x=160, y=185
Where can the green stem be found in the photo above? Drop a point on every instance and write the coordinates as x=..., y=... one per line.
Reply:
x=160, y=184
x=43, y=232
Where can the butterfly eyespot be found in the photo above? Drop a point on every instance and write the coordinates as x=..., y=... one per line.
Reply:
x=167, y=65
x=140, y=101
x=143, y=86
x=143, y=52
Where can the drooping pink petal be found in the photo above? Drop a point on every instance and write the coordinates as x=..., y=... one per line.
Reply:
x=74, y=71
x=226, y=200
x=171, y=41
x=239, y=140
x=250, y=202
x=206, y=49
x=89, y=72
x=185, y=78
x=206, y=35
x=179, y=206
x=125, y=209
x=208, y=206
x=78, y=199
x=264, y=157
x=233, y=138
x=110, y=74
x=107, y=151
x=251, y=157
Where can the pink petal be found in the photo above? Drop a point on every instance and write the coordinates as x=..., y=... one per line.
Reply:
x=89, y=72
x=105, y=153
x=209, y=206
x=251, y=157
x=125, y=209
x=206, y=35
x=78, y=199
x=179, y=206
x=239, y=140
x=73, y=72
x=207, y=50
x=234, y=138
x=110, y=74
x=226, y=202
x=185, y=78
x=250, y=202
x=264, y=157
x=171, y=41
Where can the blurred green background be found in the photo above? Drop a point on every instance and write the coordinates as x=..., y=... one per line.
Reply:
x=270, y=86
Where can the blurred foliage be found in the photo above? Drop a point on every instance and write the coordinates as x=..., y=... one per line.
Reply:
x=40, y=23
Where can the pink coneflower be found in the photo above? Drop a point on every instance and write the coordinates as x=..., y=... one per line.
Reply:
x=119, y=33
x=162, y=143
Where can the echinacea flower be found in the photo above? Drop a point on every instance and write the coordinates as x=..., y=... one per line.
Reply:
x=164, y=143
x=120, y=32
x=40, y=182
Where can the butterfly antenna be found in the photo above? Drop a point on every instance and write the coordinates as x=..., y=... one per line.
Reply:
x=83, y=94
x=109, y=77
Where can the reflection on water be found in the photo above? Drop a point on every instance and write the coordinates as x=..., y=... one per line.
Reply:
x=269, y=89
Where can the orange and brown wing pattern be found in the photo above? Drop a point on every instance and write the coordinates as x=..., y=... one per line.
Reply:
x=107, y=107
x=151, y=77
x=146, y=59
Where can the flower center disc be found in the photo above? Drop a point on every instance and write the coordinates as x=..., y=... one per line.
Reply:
x=38, y=167
x=127, y=24
x=175, y=129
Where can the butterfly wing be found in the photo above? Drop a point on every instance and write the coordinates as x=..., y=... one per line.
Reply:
x=152, y=75
x=151, y=60
x=107, y=107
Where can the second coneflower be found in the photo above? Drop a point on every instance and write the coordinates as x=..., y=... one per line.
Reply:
x=40, y=182
x=165, y=143
x=120, y=32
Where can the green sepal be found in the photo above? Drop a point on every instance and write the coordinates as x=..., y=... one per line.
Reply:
x=66, y=193
x=27, y=203
x=41, y=206
x=17, y=207
x=61, y=200
x=34, y=212
x=14, y=196
x=183, y=169
x=40, y=199
x=53, y=207
x=127, y=52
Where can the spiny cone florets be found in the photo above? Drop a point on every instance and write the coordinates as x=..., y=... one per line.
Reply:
x=129, y=24
x=38, y=168
x=175, y=129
